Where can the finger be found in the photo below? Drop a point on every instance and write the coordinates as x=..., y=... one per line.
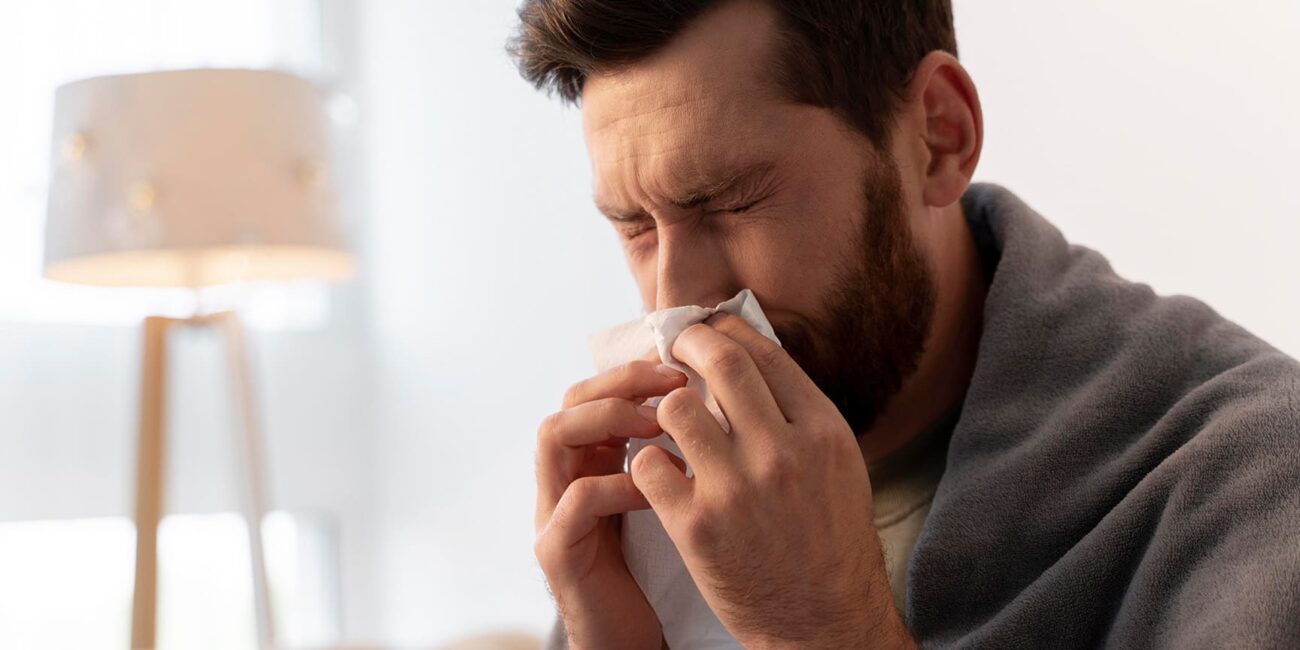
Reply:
x=636, y=380
x=794, y=391
x=661, y=477
x=603, y=421
x=563, y=435
x=587, y=500
x=683, y=415
x=732, y=377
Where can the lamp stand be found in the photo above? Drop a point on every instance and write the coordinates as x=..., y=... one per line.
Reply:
x=151, y=469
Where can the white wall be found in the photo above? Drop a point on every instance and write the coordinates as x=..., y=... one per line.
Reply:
x=1162, y=133
x=489, y=267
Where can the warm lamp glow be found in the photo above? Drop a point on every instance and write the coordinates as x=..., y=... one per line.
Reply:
x=192, y=178
x=203, y=267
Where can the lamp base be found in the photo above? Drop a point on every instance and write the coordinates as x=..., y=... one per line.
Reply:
x=151, y=452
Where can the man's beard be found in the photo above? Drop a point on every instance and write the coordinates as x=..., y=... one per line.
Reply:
x=874, y=321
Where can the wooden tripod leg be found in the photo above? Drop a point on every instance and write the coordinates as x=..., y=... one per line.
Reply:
x=150, y=481
x=252, y=468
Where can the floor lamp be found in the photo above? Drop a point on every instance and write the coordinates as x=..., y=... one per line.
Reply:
x=191, y=178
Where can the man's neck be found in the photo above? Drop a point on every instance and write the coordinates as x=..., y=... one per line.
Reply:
x=939, y=384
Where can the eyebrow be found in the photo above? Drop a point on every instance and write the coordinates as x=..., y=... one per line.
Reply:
x=701, y=191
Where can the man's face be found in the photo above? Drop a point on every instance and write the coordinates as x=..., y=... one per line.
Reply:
x=716, y=182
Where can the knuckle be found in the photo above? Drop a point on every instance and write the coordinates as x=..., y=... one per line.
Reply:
x=545, y=552
x=693, y=331
x=782, y=457
x=768, y=356
x=580, y=494
x=677, y=405
x=563, y=513
x=842, y=441
x=607, y=416
x=619, y=375
x=726, y=500
x=573, y=394
x=626, y=376
x=611, y=408
x=634, y=369
x=781, y=465
x=700, y=529
x=724, y=321
x=548, y=428
x=641, y=463
x=726, y=360
x=833, y=437
x=844, y=448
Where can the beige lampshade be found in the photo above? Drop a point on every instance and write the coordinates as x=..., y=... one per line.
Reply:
x=191, y=178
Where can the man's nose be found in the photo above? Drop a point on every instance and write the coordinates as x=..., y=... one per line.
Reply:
x=692, y=270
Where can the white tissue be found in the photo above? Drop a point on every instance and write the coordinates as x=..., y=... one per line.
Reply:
x=687, y=621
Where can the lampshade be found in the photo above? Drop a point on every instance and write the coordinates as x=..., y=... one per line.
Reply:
x=191, y=178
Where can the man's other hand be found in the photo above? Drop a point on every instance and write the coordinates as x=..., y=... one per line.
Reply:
x=581, y=491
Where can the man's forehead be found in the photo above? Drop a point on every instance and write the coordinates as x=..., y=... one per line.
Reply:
x=719, y=64
x=685, y=110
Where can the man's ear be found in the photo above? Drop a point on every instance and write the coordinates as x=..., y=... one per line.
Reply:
x=951, y=124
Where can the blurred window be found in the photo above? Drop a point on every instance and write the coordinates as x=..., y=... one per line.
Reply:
x=68, y=583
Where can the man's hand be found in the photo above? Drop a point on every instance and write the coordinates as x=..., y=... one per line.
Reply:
x=775, y=526
x=581, y=488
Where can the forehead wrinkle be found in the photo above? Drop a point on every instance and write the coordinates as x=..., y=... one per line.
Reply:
x=689, y=96
x=644, y=108
x=674, y=151
x=639, y=170
x=680, y=166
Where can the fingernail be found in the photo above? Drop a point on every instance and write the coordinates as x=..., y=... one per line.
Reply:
x=648, y=412
x=668, y=371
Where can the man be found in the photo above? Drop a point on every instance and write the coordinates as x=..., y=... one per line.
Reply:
x=973, y=434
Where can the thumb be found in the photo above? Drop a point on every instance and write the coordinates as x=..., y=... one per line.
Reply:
x=661, y=477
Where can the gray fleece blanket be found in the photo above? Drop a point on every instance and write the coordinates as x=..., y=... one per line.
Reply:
x=1125, y=471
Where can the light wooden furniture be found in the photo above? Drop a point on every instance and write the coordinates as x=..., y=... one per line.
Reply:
x=151, y=468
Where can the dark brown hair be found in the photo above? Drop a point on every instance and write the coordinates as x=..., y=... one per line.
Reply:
x=854, y=57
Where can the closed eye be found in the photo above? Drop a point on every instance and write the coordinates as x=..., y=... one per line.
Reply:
x=741, y=208
x=636, y=229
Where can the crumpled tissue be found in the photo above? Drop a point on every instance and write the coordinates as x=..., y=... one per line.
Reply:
x=687, y=621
